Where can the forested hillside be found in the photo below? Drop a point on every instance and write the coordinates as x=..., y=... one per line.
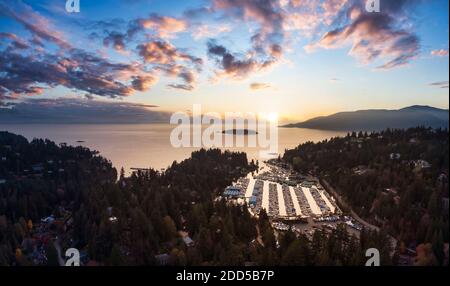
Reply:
x=396, y=179
x=57, y=197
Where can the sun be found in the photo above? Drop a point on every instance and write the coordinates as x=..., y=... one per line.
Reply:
x=272, y=117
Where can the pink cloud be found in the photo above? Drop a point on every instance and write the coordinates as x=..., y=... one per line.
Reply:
x=439, y=53
x=372, y=37
x=164, y=27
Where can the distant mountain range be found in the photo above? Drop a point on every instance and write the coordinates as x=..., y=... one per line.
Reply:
x=379, y=119
x=81, y=111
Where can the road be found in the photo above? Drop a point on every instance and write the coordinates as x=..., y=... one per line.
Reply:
x=341, y=201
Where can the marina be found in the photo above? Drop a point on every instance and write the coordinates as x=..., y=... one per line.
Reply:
x=283, y=194
x=292, y=201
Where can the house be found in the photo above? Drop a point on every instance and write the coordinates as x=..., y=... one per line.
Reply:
x=395, y=156
x=232, y=192
x=49, y=219
x=360, y=170
x=392, y=191
x=188, y=241
x=422, y=164
x=442, y=179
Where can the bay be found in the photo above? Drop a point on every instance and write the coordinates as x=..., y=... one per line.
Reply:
x=146, y=145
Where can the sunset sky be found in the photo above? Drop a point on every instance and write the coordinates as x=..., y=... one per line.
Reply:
x=300, y=58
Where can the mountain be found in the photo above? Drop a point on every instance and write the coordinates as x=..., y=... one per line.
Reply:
x=80, y=111
x=379, y=119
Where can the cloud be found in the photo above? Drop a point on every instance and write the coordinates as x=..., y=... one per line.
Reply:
x=28, y=68
x=15, y=41
x=373, y=36
x=440, y=84
x=265, y=12
x=143, y=83
x=334, y=80
x=259, y=86
x=162, y=52
x=78, y=110
x=116, y=40
x=233, y=67
x=185, y=87
x=157, y=53
x=307, y=16
x=266, y=41
x=168, y=59
x=271, y=26
x=114, y=24
x=155, y=50
x=207, y=31
x=186, y=75
x=196, y=13
x=120, y=33
x=163, y=26
x=439, y=53
x=384, y=38
x=37, y=25
x=79, y=70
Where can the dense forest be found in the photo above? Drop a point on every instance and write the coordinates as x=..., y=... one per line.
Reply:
x=57, y=197
x=396, y=179
x=38, y=179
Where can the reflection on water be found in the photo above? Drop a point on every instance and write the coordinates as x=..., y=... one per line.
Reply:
x=145, y=145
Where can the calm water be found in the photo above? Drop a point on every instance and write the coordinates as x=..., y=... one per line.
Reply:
x=147, y=145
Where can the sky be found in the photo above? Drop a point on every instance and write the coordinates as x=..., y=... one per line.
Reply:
x=298, y=58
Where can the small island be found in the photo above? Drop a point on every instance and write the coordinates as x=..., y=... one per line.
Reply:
x=240, y=132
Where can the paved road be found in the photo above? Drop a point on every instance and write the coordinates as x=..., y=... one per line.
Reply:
x=343, y=203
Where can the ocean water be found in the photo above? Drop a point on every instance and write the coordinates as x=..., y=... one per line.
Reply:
x=146, y=145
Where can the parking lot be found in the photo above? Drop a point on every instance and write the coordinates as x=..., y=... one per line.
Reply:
x=292, y=201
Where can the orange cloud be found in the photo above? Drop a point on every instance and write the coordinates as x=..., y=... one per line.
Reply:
x=439, y=53
x=259, y=86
